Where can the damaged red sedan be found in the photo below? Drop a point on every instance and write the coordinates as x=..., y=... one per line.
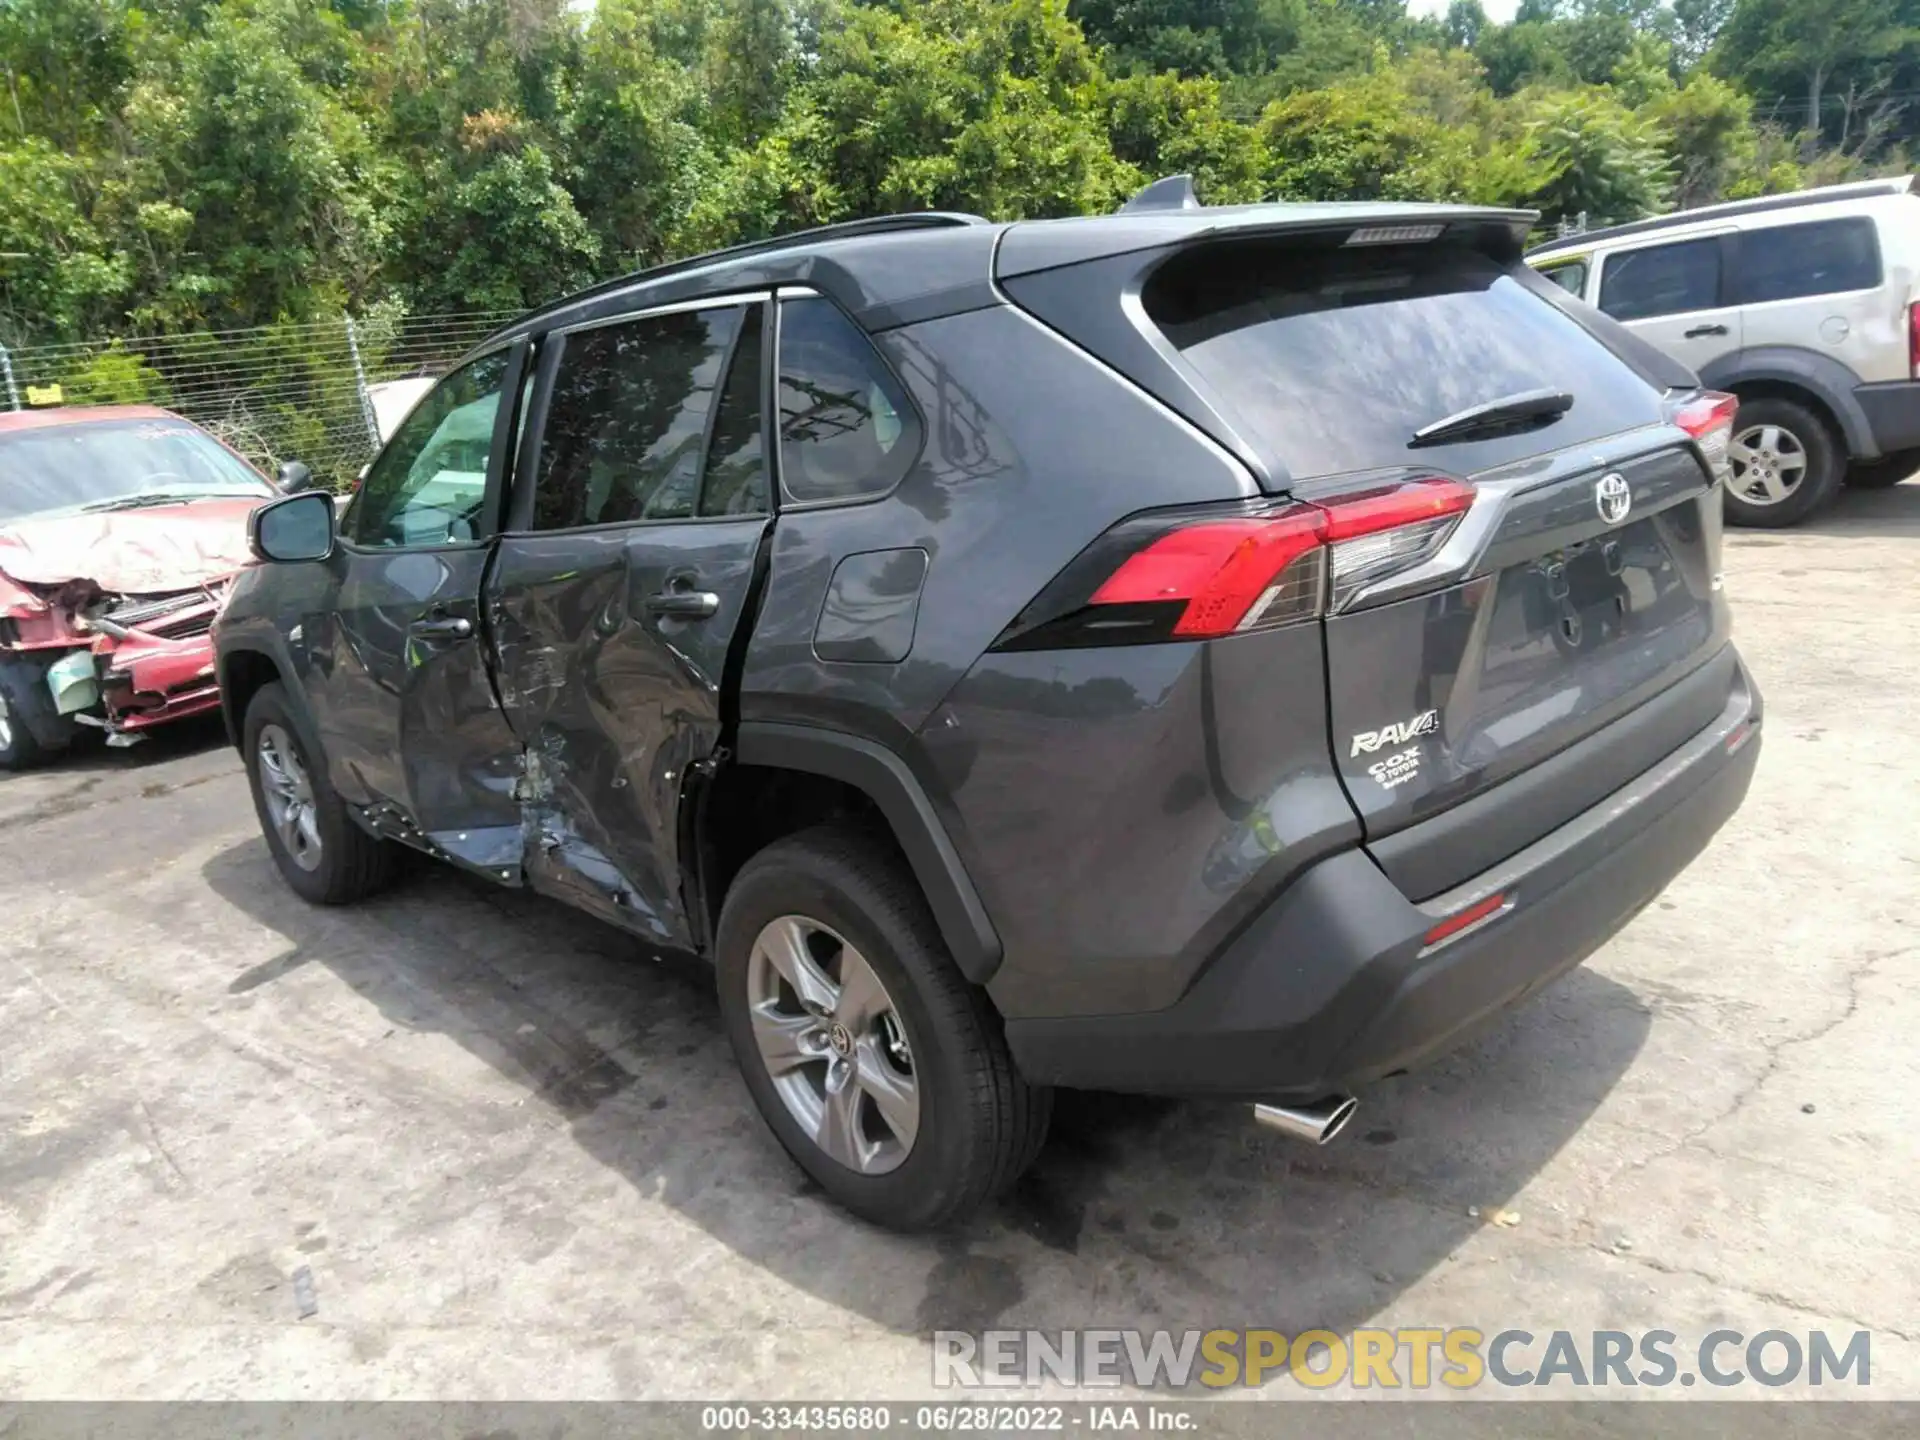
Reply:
x=120, y=530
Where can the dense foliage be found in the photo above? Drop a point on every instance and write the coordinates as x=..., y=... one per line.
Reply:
x=181, y=165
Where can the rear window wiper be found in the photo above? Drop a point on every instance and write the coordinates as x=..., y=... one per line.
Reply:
x=1511, y=412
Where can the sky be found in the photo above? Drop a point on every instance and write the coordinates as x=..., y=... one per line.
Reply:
x=1501, y=10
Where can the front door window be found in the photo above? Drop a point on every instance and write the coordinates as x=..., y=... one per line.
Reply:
x=429, y=485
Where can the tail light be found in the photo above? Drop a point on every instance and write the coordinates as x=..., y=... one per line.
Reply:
x=1913, y=339
x=1207, y=572
x=1708, y=417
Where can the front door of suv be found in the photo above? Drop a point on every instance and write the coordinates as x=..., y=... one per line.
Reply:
x=398, y=676
x=635, y=529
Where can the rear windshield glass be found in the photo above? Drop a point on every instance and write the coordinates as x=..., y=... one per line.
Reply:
x=1335, y=357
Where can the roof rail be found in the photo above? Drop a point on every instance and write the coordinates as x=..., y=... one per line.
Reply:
x=1853, y=190
x=1173, y=192
x=841, y=230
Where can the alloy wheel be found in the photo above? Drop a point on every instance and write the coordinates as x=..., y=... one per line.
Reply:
x=288, y=791
x=833, y=1044
x=1768, y=464
x=6, y=725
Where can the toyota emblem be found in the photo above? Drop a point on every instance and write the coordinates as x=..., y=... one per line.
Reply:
x=1613, y=497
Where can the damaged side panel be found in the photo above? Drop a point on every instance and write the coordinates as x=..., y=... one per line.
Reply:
x=610, y=675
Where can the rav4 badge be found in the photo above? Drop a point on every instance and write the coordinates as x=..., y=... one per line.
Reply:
x=1367, y=741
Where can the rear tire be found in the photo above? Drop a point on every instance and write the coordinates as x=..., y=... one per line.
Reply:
x=1785, y=464
x=26, y=707
x=322, y=854
x=849, y=1054
x=1884, y=473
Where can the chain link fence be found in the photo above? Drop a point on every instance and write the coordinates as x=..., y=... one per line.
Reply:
x=309, y=391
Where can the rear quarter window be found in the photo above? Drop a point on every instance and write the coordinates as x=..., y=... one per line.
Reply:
x=1335, y=356
x=1791, y=262
x=847, y=429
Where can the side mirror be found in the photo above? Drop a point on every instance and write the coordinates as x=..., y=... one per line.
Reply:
x=295, y=477
x=300, y=527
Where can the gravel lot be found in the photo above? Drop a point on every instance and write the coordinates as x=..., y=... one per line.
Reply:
x=512, y=1151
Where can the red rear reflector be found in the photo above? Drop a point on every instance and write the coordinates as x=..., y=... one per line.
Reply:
x=1465, y=919
x=1221, y=568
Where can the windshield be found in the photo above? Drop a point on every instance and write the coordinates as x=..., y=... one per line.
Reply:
x=110, y=464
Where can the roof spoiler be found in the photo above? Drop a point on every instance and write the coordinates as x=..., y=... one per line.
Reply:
x=1173, y=192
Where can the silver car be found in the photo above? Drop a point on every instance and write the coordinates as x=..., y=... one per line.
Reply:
x=1803, y=305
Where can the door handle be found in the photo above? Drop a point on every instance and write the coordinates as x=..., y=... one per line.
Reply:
x=684, y=604
x=446, y=627
x=1697, y=331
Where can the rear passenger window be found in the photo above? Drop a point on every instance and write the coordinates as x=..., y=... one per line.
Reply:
x=1786, y=262
x=847, y=429
x=1662, y=280
x=627, y=424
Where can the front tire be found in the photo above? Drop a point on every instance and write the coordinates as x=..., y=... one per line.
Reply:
x=27, y=707
x=1784, y=463
x=322, y=854
x=877, y=1066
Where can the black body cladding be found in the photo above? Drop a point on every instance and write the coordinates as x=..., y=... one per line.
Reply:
x=955, y=531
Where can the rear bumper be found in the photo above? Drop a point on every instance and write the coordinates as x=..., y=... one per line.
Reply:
x=1892, y=410
x=1331, y=986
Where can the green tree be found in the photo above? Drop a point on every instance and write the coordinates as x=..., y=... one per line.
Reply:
x=1163, y=125
x=1418, y=132
x=1780, y=45
x=1710, y=135
x=1465, y=21
x=638, y=147
x=1527, y=52
x=991, y=105
x=58, y=277
x=228, y=131
x=1606, y=162
x=1696, y=23
x=495, y=229
x=65, y=64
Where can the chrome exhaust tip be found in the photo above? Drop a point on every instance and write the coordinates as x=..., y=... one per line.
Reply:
x=1316, y=1123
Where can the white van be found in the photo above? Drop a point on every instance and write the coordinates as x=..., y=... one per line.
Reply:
x=1802, y=305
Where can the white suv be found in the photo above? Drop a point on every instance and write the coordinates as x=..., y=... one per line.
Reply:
x=1803, y=306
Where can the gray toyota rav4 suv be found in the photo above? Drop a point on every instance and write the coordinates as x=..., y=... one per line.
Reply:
x=1220, y=652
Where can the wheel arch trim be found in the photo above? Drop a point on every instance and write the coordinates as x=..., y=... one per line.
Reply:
x=258, y=648
x=1823, y=379
x=885, y=779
